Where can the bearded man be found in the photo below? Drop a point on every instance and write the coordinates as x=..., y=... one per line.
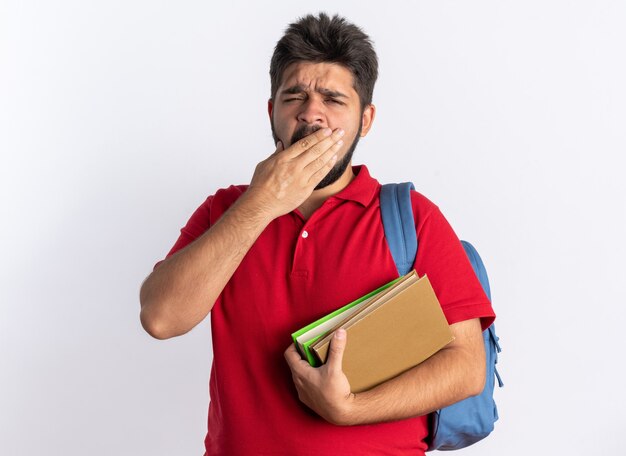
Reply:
x=302, y=239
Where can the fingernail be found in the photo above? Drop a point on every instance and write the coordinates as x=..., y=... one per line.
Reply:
x=340, y=142
x=327, y=132
x=340, y=334
x=341, y=132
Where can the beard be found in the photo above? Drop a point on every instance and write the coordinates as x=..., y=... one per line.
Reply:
x=340, y=167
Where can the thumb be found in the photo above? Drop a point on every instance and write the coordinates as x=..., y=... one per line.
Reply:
x=337, y=347
x=279, y=148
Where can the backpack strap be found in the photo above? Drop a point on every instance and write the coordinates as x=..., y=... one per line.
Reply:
x=472, y=419
x=479, y=267
x=397, y=214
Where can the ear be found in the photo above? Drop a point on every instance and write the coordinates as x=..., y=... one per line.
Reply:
x=369, y=113
x=270, y=107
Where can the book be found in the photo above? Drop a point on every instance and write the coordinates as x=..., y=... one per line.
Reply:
x=389, y=331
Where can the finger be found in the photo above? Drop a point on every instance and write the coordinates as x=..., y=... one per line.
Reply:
x=317, y=163
x=322, y=147
x=321, y=173
x=279, y=148
x=335, y=353
x=309, y=141
x=292, y=356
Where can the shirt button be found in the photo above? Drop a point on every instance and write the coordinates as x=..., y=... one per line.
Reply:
x=305, y=234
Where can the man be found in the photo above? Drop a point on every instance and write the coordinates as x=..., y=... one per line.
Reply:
x=304, y=238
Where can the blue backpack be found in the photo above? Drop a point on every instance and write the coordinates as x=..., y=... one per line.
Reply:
x=472, y=419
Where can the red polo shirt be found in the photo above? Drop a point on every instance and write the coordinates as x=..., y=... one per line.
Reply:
x=297, y=271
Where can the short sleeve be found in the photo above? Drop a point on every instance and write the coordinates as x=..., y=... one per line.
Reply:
x=205, y=216
x=441, y=256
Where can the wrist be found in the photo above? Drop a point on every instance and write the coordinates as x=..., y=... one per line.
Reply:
x=253, y=208
x=363, y=408
x=348, y=414
x=259, y=204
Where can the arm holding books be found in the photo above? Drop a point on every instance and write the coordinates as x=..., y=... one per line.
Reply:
x=454, y=373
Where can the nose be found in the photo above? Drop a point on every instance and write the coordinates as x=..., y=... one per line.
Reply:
x=312, y=111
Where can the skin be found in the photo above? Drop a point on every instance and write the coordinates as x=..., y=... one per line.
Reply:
x=319, y=94
x=181, y=292
x=452, y=374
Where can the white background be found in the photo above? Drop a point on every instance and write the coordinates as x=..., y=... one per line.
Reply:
x=118, y=118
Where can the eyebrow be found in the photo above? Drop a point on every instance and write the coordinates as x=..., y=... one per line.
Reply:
x=300, y=88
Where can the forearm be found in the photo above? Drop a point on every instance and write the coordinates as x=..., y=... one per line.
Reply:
x=179, y=294
x=438, y=382
x=182, y=290
x=452, y=374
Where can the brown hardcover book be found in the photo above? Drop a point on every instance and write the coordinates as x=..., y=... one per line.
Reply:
x=398, y=329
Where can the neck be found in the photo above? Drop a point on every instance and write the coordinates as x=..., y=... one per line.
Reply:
x=318, y=197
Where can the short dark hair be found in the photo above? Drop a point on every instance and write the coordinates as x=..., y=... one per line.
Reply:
x=324, y=39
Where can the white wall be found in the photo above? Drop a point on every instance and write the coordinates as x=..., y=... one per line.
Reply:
x=117, y=119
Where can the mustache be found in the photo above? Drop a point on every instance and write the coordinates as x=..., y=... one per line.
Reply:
x=304, y=130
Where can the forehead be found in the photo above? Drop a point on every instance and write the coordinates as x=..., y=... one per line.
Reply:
x=313, y=76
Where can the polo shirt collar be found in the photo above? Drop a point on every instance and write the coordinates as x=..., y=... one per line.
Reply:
x=362, y=189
